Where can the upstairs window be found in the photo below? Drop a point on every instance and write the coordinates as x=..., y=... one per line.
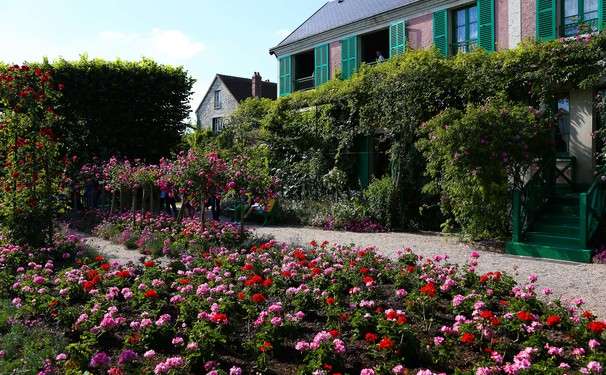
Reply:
x=465, y=27
x=217, y=99
x=579, y=16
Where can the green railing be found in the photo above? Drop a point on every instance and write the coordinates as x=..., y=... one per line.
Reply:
x=593, y=209
x=529, y=201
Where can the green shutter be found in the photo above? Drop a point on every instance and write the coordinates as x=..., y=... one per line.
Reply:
x=349, y=56
x=546, y=19
x=486, y=24
x=321, y=73
x=601, y=15
x=285, y=76
x=397, y=38
x=440, y=31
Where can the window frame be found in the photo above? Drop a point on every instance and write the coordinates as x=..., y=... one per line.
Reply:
x=217, y=99
x=574, y=26
x=217, y=124
x=467, y=44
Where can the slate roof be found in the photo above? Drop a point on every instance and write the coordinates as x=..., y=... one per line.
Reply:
x=337, y=13
x=241, y=88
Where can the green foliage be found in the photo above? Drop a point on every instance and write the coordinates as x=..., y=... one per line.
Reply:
x=378, y=199
x=477, y=156
x=31, y=169
x=135, y=109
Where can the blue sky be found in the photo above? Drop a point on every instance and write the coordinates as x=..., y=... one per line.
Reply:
x=205, y=37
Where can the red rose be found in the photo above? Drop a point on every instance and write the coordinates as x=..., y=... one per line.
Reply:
x=258, y=298
x=330, y=301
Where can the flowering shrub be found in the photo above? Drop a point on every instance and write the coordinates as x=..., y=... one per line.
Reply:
x=326, y=309
x=31, y=172
x=476, y=157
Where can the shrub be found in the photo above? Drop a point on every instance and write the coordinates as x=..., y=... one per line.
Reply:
x=476, y=157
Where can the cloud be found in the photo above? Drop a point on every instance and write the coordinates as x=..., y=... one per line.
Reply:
x=283, y=33
x=159, y=44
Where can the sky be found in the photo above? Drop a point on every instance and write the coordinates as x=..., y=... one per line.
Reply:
x=231, y=37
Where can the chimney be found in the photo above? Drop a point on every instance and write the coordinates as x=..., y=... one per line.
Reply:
x=256, y=85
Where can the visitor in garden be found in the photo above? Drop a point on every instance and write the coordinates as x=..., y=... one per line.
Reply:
x=260, y=208
x=215, y=206
x=243, y=206
x=171, y=206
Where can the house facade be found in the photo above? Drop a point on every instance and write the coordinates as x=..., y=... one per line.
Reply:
x=343, y=34
x=225, y=94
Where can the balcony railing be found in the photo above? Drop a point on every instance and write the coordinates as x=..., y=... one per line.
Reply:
x=464, y=46
x=577, y=28
x=305, y=83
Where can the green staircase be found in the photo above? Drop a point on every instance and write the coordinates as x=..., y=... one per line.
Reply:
x=555, y=218
x=556, y=233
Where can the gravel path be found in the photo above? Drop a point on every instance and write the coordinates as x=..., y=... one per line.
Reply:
x=567, y=279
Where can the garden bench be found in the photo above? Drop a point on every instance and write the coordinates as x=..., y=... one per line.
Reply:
x=269, y=212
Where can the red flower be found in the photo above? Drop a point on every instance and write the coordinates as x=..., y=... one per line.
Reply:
x=429, y=289
x=597, y=327
x=149, y=263
x=364, y=271
x=258, y=298
x=554, y=319
x=371, y=337
x=151, y=294
x=265, y=347
x=468, y=337
x=124, y=273
x=385, y=344
x=183, y=281
x=241, y=295
x=267, y=282
x=220, y=318
x=247, y=267
x=105, y=266
x=486, y=314
x=99, y=258
x=334, y=333
x=588, y=315
x=525, y=316
x=410, y=268
x=368, y=279
x=330, y=301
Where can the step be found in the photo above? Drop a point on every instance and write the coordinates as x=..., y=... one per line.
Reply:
x=551, y=239
x=567, y=229
x=550, y=252
x=562, y=208
x=559, y=219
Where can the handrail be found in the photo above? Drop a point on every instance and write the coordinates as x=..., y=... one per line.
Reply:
x=305, y=83
x=593, y=210
x=530, y=200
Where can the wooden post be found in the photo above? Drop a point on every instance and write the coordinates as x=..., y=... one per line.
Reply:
x=583, y=230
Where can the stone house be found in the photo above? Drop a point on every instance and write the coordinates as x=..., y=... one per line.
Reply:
x=225, y=94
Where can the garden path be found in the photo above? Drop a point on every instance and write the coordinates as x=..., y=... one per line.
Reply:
x=566, y=279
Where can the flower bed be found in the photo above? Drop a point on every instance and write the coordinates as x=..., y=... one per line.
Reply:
x=279, y=310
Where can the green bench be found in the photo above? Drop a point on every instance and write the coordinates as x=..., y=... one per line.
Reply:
x=268, y=214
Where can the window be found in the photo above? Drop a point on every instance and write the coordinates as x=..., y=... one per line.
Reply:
x=579, y=16
x=217, y=99
x=217, y=124
x=465, y=28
